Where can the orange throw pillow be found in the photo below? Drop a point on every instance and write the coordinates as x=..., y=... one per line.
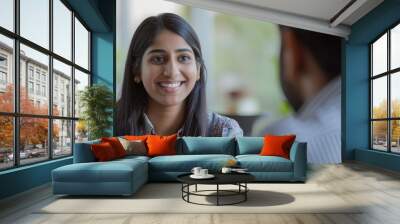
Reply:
x=116, y=145
x=277, y=145
x=135, y=137
x=103, y=151
x=161, y=145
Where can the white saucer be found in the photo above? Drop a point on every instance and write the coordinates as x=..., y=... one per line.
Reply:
x=208, y=176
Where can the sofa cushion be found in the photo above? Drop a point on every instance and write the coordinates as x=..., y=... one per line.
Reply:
x=135, y=137
x=277, y=145
x=185, y=163
x=116, y=145
x=133, y=147
x=257, y=163
x=161, y=145
x=103, y=151
x=207, y=145
x=111, y=171
x=131, y=158
x=249, y=145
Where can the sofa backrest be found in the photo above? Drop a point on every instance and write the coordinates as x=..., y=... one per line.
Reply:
x=83, y=153
x=249, y=145
x=193, y=146
x=206, y=145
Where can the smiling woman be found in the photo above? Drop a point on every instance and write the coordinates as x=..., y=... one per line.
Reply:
x=163, y=90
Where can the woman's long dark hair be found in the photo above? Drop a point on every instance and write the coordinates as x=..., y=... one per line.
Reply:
x=134, y=98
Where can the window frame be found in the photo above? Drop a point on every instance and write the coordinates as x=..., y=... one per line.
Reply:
x=388, y=74
x=16, y=115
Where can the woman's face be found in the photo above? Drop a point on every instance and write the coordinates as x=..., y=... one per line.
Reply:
x=169, y=70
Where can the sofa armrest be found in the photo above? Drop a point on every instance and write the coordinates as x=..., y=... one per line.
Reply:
x=298, y=155
x=83, y=152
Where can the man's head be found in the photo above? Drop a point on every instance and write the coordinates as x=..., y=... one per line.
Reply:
x=308, y=61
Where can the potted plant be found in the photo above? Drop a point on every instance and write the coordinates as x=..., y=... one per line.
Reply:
x=96, y=103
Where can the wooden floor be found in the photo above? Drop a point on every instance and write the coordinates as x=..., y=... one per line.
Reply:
x=378, y=188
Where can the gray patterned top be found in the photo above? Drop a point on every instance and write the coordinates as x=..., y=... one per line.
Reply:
x=218, y=126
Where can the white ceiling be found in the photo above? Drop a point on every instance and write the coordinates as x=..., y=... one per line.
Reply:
x=319, y=9
x=325, y=16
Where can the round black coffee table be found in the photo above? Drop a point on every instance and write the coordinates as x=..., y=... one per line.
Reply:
x=238, y=179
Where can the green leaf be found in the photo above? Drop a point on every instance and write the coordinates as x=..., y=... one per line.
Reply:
x=97, y=103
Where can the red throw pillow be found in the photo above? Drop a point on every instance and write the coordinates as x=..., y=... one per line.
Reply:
x=277, y=145
x=103, y=151
x=161, y=145
x=116, y=145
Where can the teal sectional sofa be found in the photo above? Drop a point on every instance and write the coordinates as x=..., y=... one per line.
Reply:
x=125, y=176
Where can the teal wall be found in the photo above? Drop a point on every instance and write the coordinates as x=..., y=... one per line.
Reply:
x=99, y=16
x=102, y=61
x=356, y=85
x=24, y=178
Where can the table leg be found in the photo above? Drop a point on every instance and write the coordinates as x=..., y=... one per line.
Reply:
x=217, y=194
x=196, y=188
x=188, y=189
x=245, y=193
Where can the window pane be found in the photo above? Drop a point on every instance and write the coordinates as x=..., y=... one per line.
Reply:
x=395, y=136
x=81, y=81
x=81, y=45
x=62, y=89
x=6, y=74
x=395, y=94
x=33, y=140
x=7, y=14
x=81, y=131
x=379, y=135
x=35, y=21
x=62, y=138
x=395, y=47
x=379, y=97
x=62, y=29
x=379, y=55
x=6, y=142
x=34, y=97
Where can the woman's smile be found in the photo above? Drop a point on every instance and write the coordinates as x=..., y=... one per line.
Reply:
x=170, y=86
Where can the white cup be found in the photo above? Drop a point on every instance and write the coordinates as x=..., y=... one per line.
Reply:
x=226, y=170
x=196, y=170
x=203, y=172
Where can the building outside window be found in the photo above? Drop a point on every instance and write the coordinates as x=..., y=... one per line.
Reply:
x=38, y=89
x=55, y=96
x=30, y=87
x=3, y=61
x=3, y=71
x=43, y=90
x=37, y=75
x=30, y=72
x=385, y=92
x=3, y=78
x=57, y=133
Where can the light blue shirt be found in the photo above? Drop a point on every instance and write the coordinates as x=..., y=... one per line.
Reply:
x=218, y=126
